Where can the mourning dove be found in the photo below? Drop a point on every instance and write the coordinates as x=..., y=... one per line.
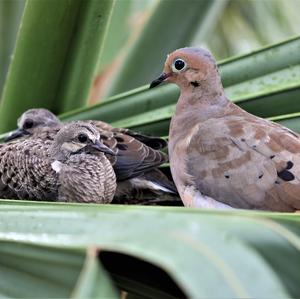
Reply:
x=220, y=155
x=137, y=155
x=72, y=167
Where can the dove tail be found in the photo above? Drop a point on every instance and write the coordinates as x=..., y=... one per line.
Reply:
x=156, y=180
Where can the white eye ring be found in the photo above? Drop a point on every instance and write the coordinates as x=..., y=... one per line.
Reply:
x=178, y=65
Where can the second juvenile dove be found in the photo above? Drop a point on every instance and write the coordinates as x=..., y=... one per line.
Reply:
x=72, y=167
x=220, y=155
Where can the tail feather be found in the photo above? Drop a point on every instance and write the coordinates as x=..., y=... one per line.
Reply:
x=154, y=180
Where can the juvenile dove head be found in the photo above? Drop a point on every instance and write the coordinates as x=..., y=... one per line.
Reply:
x=32, y=119
x=189, y=68
x=38, y=117
x=77, y=137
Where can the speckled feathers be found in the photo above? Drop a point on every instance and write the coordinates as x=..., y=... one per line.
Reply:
x=83, y=175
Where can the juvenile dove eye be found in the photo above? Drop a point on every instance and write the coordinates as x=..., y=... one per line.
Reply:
x=28, y=124
x=178, y=65
x=82, y=138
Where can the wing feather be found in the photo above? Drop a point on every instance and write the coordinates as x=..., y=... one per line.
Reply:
x=246, y=163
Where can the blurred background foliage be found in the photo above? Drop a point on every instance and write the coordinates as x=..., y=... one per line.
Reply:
x=10, y=16
x=236, y=26
x=72, y=53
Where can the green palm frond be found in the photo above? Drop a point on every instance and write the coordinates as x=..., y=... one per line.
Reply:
x=61, y=250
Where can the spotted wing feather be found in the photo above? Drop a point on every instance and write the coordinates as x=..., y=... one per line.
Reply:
x=253, y=162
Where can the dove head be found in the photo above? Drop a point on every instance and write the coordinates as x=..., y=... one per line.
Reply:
x=189, y=68
x=31, y=120
x=34, y=118
x=75, y=138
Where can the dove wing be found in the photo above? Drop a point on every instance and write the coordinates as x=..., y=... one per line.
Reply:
x=25, y=170
x=246, y=162
x=135, y=158
x=153, y=142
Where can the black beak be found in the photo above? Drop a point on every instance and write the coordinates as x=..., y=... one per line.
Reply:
x=16, y=134
x=160, y=79
x=102, y=148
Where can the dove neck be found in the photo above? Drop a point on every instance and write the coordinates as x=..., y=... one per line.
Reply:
x=203, y=102
x=58, y=152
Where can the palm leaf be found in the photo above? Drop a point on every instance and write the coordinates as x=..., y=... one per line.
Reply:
x=205, y=254
x=69, y=53
x=10, y=13
x=74, y=250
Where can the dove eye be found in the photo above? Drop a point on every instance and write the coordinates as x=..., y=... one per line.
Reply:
x=178, y=65
x=28, y=124
x=82, y=138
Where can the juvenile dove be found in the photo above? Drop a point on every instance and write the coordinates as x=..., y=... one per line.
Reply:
x=136, y=159
x=220, y=155
x=72, y=167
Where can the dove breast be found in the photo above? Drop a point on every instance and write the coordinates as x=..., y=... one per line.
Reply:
x=92, y=182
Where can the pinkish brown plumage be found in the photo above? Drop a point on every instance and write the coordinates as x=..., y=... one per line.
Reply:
x=220, y=155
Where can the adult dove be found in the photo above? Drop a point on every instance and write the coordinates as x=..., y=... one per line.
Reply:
x=137, y=156
x=72, y=167
x=220, y=155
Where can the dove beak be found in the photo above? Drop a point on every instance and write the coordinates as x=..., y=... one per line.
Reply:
x=16, y=134
x=160, y=79
x=102, y=148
